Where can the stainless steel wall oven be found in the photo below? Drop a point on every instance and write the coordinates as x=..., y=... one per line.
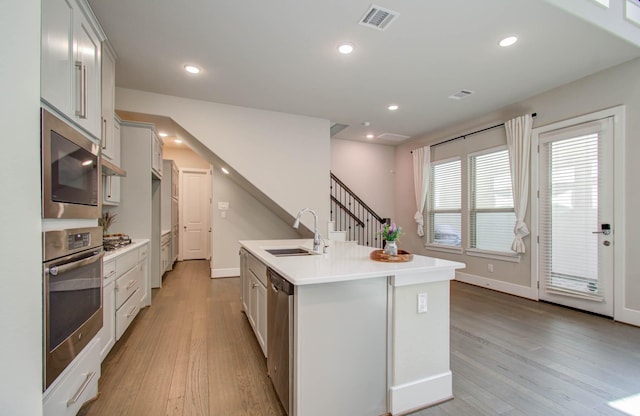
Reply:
x=72, y=272
x=70, y=171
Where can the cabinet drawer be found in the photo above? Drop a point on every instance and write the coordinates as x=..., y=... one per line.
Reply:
x=77, y=384
x=126, y=262
x=126, y=314
x=126, y=285
x=258, y=269
x=109, y=270
x=143, y=252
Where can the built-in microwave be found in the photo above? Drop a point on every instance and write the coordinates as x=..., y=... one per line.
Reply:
x=70, y=171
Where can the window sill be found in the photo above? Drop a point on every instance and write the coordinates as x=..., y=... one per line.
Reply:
x=444, y=249
x=496, y=255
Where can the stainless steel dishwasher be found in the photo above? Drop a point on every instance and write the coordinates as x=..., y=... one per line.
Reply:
x=280, y=336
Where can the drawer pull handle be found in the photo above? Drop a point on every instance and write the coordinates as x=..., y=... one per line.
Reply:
x=131, y=284
x=81, y=390
x=111, y=273
x=132, y=312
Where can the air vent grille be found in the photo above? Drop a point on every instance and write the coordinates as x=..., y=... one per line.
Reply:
x=337, y=128
x=461, y=94
x=393, y=137
x=378, y=17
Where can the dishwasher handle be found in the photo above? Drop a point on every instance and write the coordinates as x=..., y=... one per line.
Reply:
x=279, y=283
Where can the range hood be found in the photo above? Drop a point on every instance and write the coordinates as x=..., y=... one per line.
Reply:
x=109, y=169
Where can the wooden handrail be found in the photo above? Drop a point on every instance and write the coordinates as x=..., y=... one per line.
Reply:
x=347, y=211
x=360, y=201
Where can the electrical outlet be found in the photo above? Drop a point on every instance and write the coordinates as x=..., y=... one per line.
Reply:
x=490, y=267
x=422, y=302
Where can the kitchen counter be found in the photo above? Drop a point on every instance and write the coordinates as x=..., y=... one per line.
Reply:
x=367, y=337
x=109, y=255
x=345, y=261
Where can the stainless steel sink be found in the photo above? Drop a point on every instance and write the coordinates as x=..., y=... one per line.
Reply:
x=286, y=252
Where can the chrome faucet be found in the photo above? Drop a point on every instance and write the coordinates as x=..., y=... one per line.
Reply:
x=317, y=247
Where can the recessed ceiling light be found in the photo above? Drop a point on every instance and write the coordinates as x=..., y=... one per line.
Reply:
x=508, y=41
x=192, y=69
x=225, y=171
x=393, y=107
x=370, y=136
x=346, y=48
x=162, y=134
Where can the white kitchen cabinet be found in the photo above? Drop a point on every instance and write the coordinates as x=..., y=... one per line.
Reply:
x=111, y=183
x=110, y=149
x=77, y=384
x=108, y=332
x=253, y=274
x=156, y=166
x=143, y=266
x=165, y=251
x=71, y=62
x=170, y=208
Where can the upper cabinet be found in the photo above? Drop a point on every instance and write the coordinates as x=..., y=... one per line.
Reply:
x=109, y=137
x=156, y=161
x=71, y=62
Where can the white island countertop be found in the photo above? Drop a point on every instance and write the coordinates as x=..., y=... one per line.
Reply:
x=345, y=261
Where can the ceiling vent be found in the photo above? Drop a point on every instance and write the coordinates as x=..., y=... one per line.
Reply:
x=378, y=17
x=461, y=94
x=393, y=137
x=337, y=128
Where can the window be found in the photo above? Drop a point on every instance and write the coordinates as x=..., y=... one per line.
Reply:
x=444, y=208
x=491, y=214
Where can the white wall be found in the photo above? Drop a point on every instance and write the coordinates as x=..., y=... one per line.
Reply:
x=21, y=240
x=368, y=169
x=616, y=86
x=246, y=219
x=284, y=155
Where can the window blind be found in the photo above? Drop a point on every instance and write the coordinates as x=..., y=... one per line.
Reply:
x=444, y=213
x=569, y=214
x=491, y=214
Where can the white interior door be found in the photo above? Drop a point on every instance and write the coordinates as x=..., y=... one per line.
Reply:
x=575, y=216
x=195, y=201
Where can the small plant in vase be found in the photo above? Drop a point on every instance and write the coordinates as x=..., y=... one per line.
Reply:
x=105, y=221
x=390, y=233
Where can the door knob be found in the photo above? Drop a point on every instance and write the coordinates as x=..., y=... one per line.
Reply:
x=607, y=243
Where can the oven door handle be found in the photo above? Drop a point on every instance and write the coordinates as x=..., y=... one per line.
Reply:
x=67, y=267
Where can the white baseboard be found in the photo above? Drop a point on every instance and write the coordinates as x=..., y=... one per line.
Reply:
x=409, y=397
x=500, y=286
x=628, y=316
x=230, y=272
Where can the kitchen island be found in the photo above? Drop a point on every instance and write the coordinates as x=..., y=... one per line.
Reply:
x=367, y=337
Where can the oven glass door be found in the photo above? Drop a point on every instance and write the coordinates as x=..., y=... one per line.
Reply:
x=74, y=294
x=74, y=172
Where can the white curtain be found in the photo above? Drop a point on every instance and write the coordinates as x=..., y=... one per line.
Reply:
x=421, y=168
x=519, y=144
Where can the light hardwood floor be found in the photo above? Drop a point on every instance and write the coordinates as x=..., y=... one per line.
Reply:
x=193, y=353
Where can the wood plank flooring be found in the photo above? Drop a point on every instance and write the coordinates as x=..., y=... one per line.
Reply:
x=193, y=353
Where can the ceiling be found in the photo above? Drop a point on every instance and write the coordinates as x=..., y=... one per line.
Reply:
x=282, y=56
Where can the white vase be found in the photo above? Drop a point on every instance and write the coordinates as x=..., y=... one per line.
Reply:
x=391, y=248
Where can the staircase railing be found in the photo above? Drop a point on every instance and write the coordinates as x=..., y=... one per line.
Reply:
x=351, y=214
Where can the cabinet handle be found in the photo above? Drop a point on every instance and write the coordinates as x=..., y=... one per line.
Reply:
x=104, y=133
x=132, y=311
x=111, y=273
x=82, y=69
x=131, y=284
x=81, y=390
x=254, y=285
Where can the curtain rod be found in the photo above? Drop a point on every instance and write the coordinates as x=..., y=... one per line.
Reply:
x=464, y=136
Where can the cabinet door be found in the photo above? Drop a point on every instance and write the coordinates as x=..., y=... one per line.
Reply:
x=245, y=281
x=261, y=319
x=253, y=300
x=108, y=104
x=87, y=69
x=108, y=332
x=111, y=190
x=143, y=275
x=57, y=54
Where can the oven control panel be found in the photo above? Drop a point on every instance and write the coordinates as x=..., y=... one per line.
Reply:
x=79, y=240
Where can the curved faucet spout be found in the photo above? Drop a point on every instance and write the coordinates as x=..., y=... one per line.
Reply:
x=316, y=235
